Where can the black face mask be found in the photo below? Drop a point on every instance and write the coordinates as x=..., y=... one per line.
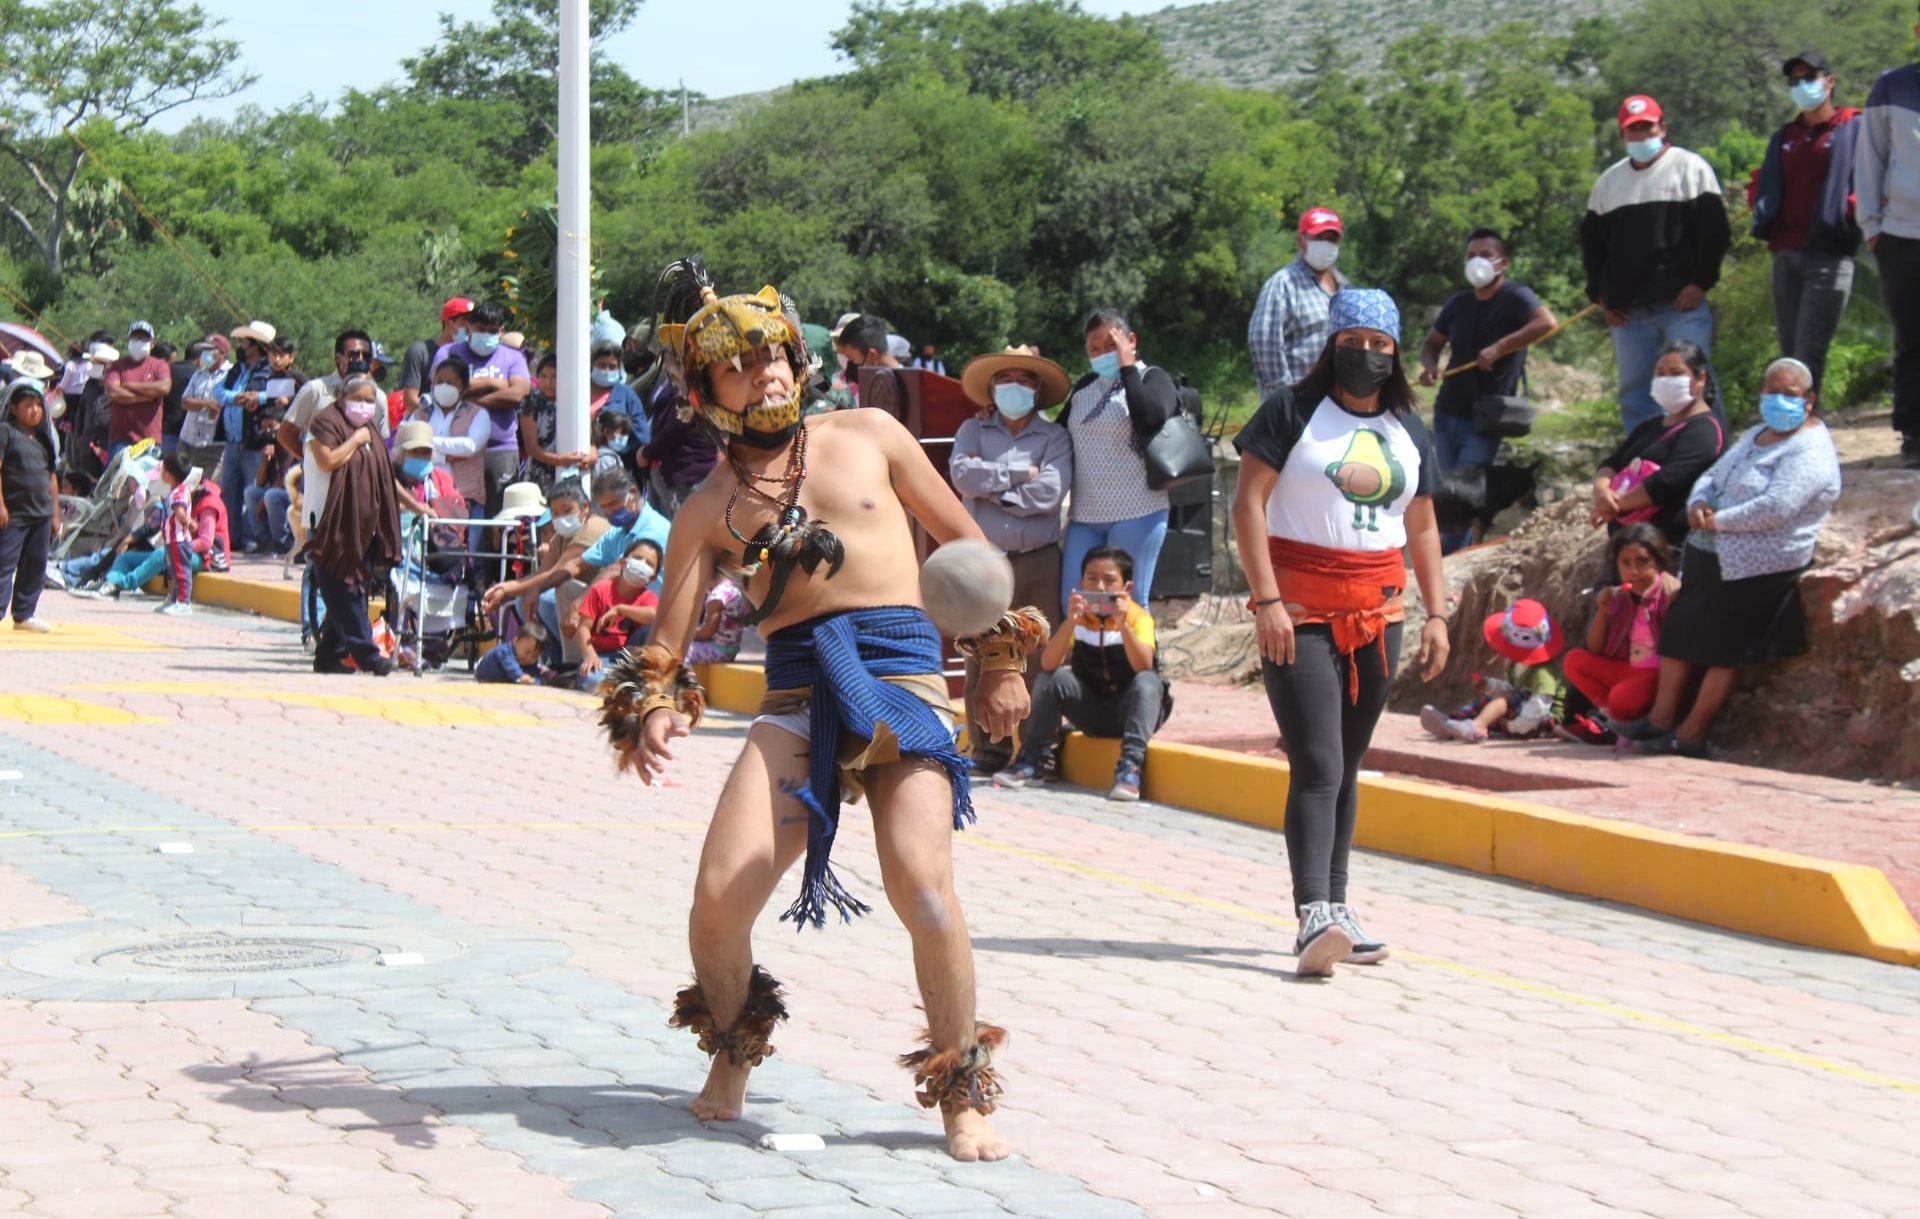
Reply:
x=357, y=367
x=755, y=439
x=1360, y=373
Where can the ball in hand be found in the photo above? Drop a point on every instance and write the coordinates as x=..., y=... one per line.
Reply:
x=966, y=586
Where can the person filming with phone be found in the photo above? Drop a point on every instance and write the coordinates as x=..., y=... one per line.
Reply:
x=1101, y=671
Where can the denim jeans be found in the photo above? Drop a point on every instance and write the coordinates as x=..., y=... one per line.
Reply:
x=1636, y=349
x=1133, y=715
x=1810, y=294
x=277, y=534
x=136, y=568
x=1140, y=537
x=1457, y=445
x=239, y=470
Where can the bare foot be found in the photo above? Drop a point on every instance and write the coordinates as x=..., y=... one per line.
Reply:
x=725, y=1094
x=970, y=1136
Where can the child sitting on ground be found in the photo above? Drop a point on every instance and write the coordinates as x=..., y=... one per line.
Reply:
x=1527, y=700
x=722, y=624
x=1102, y=672
x=1619, y=669
x=616, y=610
x=518, y=663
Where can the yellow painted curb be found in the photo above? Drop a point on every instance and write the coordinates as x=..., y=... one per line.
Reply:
x=1796, y=898
x=268, y=598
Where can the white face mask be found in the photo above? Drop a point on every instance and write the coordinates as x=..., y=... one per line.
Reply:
x=90, y=370
x=446, y=395
x=638, y=571
x=1674, y=394
x=567, y=526
x=139, y=349
x=1322, y=254
x=1481, y=271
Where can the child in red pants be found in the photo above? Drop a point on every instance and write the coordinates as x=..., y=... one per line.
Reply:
x=1619, y=669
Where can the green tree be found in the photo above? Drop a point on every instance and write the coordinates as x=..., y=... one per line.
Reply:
x=512, y=63
x=88, y=66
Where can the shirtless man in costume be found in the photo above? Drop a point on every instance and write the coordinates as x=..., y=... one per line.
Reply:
x=855, y=698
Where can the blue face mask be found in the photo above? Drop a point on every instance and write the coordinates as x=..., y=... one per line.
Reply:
x=1014, y=401
x=460, y=334
x=1645, y=150
x=624, y=518
x=605, y=376
x=620, y=443
x=482, y=344
x=417, y=468
x=1782, y=412
x=1107, y=366
x=1809, y=94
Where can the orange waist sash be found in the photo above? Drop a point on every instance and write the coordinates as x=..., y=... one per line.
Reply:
x=1358, y=593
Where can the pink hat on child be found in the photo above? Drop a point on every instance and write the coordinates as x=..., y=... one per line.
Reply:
x=1525, y=634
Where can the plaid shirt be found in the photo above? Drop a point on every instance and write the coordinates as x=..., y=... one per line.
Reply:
x=1289, y=326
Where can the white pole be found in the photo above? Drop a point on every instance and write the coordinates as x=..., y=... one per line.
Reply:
x=575, y=238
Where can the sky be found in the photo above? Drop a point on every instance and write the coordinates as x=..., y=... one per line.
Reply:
x=324, y=48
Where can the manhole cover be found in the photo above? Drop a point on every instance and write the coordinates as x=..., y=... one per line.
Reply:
x=225, y=954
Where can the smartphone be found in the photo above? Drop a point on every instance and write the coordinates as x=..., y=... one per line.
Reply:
x=1104, y=604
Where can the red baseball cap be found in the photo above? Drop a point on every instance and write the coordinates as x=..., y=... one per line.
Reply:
x=459, y=306
x=1320, y=220
x=1639, y=109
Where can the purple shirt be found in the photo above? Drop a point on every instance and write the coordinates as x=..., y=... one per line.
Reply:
x=505, y=363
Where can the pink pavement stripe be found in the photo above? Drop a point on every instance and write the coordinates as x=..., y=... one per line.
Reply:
x=149, y=1106
x=24, y=902
x=518, y=879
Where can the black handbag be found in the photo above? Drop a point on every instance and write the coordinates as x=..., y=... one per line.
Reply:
x=1178, y=453
x=1505, y=416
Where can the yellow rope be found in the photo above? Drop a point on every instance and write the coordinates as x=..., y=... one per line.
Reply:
x=41, y=322
x=120, y=183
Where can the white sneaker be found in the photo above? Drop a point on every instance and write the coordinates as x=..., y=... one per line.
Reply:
x=32, y=624
x=175, y=609
x=1321, y=941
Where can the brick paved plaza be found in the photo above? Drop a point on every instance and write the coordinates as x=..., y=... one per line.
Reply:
x=279, y=945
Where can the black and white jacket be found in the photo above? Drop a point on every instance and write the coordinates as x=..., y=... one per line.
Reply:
x=1651, y=230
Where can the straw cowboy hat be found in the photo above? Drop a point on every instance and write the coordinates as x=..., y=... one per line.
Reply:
x=977, y=377
x=31, y=364
x=521, y=500
x=414, y=434
x=259, y=332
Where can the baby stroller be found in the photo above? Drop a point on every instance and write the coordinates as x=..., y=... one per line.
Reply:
x=91, y=526
x=87, y=524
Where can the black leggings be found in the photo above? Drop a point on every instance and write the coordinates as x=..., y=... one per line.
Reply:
x=1326, y=734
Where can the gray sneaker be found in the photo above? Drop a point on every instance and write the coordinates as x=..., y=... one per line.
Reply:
x=1322, y=942
x=1366, y=950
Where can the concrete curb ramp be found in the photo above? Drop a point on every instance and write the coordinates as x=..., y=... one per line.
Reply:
x=1796, y=898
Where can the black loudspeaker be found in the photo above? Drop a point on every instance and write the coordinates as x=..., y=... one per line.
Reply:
x=1186, y=559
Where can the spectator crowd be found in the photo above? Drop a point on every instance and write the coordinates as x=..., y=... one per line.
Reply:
x=436, y=480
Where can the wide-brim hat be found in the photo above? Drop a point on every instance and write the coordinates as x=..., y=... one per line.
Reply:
x=103, y=353
x=31, y=364
x=976, y=379
x=521, y=500
x=414, y=434
x=260, y=332
x=1525, y=633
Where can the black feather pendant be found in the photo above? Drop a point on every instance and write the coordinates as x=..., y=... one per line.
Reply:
x=793, y=541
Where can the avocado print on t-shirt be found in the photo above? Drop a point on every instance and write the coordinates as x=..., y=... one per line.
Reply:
x=1368, y=476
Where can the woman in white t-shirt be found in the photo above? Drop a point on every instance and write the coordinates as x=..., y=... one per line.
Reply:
x=1334, y=497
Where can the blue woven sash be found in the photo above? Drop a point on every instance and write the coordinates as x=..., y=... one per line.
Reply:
x=843, y=657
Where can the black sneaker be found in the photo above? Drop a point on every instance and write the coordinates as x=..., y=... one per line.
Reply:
x=1322, y=942
x=1910, y=453
x=382, y=667
x=1669, y=745
x=1641, y=729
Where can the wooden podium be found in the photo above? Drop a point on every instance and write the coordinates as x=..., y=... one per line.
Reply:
x=932, y=407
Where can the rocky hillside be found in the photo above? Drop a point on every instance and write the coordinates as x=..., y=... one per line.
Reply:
x=1259, y=44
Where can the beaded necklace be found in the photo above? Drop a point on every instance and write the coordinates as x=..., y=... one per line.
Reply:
x=791, y=513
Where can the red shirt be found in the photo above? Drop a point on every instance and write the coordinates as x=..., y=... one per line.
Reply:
x=603, y=597
x=136, y=420
x=1806, y=149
